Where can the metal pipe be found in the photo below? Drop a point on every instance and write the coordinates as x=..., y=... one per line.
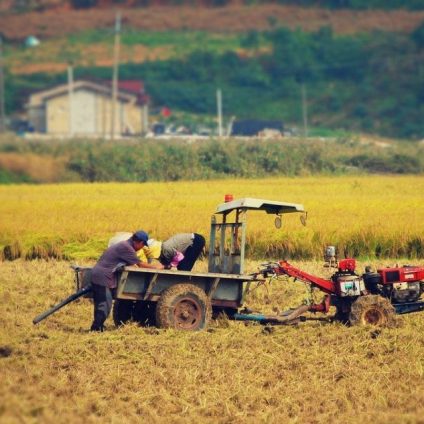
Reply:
x=60, y=305
x=408, y=308
x=273, y=319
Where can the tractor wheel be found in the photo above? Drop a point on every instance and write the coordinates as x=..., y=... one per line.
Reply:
x=372, y=310
x=184, y=307
x=122, y=311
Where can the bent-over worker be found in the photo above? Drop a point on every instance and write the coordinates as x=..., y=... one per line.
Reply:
x=190, y=245
x=103, y=276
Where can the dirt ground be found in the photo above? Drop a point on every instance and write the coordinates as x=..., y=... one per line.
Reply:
x=229, y=19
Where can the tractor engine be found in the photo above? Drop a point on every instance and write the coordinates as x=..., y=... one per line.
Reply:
x=400, y=284
x=346, y=281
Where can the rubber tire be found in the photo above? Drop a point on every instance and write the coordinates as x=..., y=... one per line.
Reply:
x=179, y=298
x=122, y=311
x=372, y=310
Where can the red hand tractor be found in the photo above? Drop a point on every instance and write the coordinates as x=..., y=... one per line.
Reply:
x=371, y=298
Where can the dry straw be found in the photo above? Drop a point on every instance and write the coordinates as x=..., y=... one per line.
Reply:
x=317, y=372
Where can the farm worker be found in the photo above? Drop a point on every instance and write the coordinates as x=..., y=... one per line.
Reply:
x=182, y=250
x=178, y=257
x=153, y=249
x=103, y=276
x=148, y=253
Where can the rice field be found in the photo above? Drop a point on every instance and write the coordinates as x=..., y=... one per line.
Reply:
x=369, y=216
x=316, y=372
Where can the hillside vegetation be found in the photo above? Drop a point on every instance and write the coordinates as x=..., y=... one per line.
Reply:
x=66, y=5
x=358, y=66
x=232, y=19
x=140, y=160
x=367, y=82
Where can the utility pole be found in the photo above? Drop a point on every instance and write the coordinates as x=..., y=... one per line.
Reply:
x=145, y=119
x=304, y=110
x=71, y=98
x=115, y=72
x=219, y=110
x=2, y=102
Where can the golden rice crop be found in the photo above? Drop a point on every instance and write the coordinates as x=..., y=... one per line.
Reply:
x=316, y=372
x=372, y=216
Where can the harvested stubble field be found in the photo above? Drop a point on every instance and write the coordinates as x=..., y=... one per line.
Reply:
x=315, y=372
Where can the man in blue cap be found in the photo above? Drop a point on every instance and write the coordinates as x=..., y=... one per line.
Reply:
x=103, y=276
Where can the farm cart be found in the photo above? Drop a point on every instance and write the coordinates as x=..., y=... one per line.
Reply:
x=182, y=299
x=186, y=300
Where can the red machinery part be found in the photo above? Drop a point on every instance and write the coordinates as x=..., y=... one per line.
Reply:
x=347, y=265
x=326, y=286
x=401, y=275
x=323, y=307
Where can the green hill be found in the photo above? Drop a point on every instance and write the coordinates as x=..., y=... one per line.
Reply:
x=363, y=81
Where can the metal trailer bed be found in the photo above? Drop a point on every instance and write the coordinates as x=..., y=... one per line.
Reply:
x=139, y=293
x=224, y=290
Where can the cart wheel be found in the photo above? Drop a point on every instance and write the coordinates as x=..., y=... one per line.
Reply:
x=372, y=310
x=184, y=307
x=122, y=311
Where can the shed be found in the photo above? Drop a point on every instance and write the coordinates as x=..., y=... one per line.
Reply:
x=85, y=108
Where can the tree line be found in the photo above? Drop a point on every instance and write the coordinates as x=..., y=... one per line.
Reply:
x=172, y=160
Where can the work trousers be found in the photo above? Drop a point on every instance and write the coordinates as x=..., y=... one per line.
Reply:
x=192, y=253
x=102, y=298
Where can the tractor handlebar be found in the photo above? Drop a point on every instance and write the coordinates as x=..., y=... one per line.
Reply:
x=268, y=268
